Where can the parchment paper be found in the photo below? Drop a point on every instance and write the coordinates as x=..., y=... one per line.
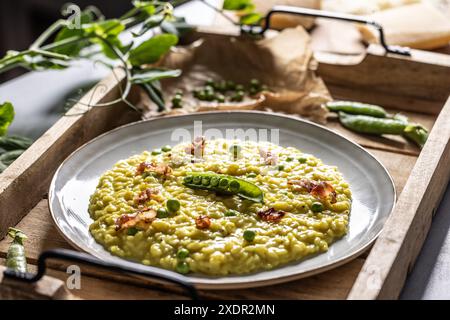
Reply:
x=284, y=62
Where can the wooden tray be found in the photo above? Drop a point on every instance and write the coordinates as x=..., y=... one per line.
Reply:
x=418, y=86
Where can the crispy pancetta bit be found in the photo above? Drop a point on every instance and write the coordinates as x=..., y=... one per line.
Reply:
x=202, y=222
x=268, y=157
x=160, y=169
x=302, y=185
x=324, y=191
x=146, y=195
x=142, y=218
x=271, y=215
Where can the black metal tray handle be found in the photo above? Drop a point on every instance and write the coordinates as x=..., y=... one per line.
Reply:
x=256, y=29
x=84, y=258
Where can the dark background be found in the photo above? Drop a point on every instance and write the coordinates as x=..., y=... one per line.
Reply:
x=22, y=21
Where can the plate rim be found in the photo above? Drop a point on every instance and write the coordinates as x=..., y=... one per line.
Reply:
x=209, y=284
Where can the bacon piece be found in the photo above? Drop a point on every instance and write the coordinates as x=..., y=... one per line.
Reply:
x=302, y=185
x=145, y=196
x=160, y=169
x=268, y=157
x=142, y=218
x=324, y=191
x=271, y=215
x=197, y=147
x=202, y=222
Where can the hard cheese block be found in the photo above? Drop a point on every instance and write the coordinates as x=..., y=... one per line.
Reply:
x=363, y=7
x=282, y=21
x=419, y=26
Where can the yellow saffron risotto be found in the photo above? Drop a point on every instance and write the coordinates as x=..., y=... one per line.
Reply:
x=306, y=208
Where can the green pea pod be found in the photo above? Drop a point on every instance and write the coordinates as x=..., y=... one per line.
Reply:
x=356, y=108
x=9, y=157
x=416, y=133
x=224, y=184
x=372, y=125
x=10, y=143
x=413, y=131
x=15, y=258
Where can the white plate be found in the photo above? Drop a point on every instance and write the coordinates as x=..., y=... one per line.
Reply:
x=371, y=185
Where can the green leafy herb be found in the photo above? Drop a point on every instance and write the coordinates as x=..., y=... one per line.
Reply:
x=6, y=117
x=153, y=49
x=238, y=5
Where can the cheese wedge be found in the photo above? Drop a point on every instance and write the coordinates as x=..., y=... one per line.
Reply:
x=363, y=7
x=419, y=26
x=282, y=21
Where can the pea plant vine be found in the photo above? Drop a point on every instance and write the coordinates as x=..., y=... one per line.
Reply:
x=89, y=33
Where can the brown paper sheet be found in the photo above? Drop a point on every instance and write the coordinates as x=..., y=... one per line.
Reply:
x=284, y=62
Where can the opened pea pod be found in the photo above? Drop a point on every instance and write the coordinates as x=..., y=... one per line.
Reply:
x=224, y=184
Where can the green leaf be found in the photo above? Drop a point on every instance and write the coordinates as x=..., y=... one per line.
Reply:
x=238, y=5
x=6, y=117
x=251, y=19
x=107, y=28
x=153, y=49
x=154, y=74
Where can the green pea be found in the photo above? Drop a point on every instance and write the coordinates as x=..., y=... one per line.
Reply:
x=280, y=167
x=182, y=253
x=206, y=181
x=231, y=85
x=209, y=82
x=317, y=207
x=166, y=148
x=289, y=159
x=156, y=152
x=252, y=175
x=223, y=183
x=182, y=267
x=201, y=95
x=235, y=186
x=132, y=231
x=188, y=179
x=230, y=213
x=179, y=92
x=197, y=180
x=255, y=83
x=220, y=98
x=173, y=205
x=249, y=235
x=238, y=96
x=162, y=213
x=253, y=91
x=214, y=181
x=239, y=87
x=302, y=160
x=177, y=101
x=220, y=86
